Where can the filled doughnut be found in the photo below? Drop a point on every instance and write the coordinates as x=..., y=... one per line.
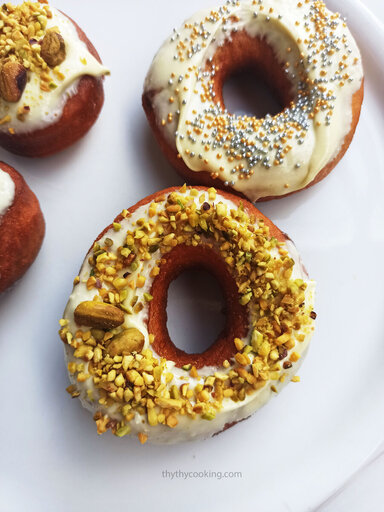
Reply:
x=51, y=80
x=22, y=226
x=308, y=57
x=122, y=363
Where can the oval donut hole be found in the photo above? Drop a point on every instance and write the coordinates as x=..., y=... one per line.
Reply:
x=254, y=63
x=177, y=261
x=196, y=310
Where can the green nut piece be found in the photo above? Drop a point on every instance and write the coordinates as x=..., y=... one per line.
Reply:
x=123, y=431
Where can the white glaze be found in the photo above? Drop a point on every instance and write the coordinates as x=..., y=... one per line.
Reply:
x=7, y=192
x=46, y=107
x=321, y=143
x=187, y=428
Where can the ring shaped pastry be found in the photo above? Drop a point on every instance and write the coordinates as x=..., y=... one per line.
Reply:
x=122, y=363
x=22, y=226
x=308, y=57
x=51, y=80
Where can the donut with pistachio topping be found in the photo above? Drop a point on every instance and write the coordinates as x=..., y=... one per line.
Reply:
x=22, y=226
x=122, y=363
x=308, y=57
x=51, y=80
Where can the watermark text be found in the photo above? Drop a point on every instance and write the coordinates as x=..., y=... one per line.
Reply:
x=206, y=473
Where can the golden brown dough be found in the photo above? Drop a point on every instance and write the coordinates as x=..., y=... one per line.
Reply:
x=22, y=229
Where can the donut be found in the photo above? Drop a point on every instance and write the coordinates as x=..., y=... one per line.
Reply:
x=310, y=60
x=22, y=226
x=51, y=80
x=122, y=364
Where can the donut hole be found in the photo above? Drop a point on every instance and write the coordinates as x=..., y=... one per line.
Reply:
x=176, y=262
x=249, y=79
x=245, y=92
x=195, y=310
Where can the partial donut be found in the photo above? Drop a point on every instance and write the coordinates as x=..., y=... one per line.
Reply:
x=122, y=363
x=51, y=81
x=308, y=57
x=22, y=226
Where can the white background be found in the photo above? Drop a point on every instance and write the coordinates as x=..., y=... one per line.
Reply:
x=305, y=444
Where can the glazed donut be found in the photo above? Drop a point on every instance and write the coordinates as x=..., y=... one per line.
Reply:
x=308, y=57
x=51, y=89
x=22, y=226
x=122, y=363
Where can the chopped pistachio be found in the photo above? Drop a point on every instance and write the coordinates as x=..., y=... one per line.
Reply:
x=123, y=431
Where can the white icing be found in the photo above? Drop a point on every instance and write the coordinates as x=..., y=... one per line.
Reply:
x=321, y=142
x=46, y=107
x=187, y=428
x=7, y=192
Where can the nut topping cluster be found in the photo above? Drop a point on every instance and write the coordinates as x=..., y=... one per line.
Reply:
x=26, y=45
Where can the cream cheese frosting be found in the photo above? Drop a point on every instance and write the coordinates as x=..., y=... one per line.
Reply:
x=278, y=154
x=7, y=192
x=45, y=107
x=187, y=428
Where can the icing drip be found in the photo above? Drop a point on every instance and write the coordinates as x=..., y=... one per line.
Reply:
x=7, y=192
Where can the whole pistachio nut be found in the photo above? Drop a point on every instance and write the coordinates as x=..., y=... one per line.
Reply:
x=129, y=340
x=13, y=79
x=98, y=315
x=53, y=49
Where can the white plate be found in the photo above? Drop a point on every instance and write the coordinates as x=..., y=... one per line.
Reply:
x=293, y=453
